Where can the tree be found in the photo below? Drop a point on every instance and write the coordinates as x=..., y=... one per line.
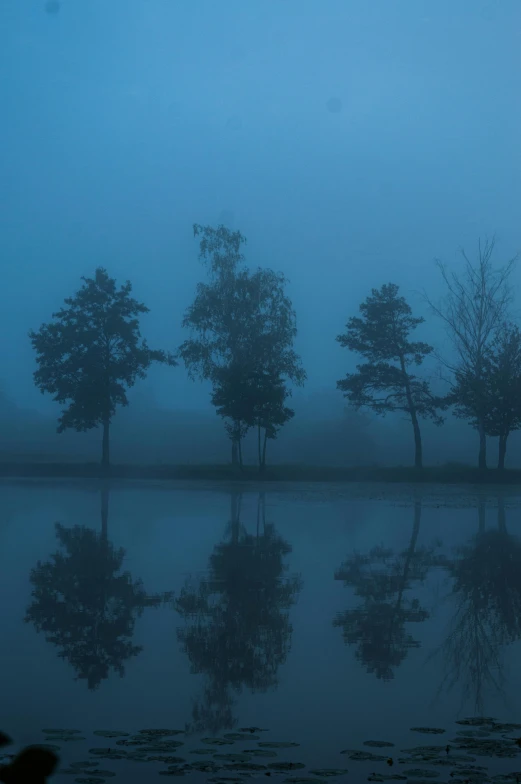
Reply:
x=85, y=605
x=91, y=353
x=384, y=383
x=503, y=387
x=383, y=580
x=474, y=308
x=243, y=326
x=238, y=629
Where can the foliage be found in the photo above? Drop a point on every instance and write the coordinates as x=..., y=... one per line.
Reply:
x=243, y=327
x=381, y=335
x=91, y=352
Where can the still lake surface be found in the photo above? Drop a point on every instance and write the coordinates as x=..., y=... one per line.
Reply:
x=328, y=615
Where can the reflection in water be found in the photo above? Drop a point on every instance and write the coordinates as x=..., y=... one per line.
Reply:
x=85, y=605
x=381, y=578
x=487, y=594
x=237, y=629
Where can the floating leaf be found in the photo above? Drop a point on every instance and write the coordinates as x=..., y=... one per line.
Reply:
x=62, y=732
x=378, y=744
x=87, y=764
x=286, y=765
x=111, y=733
x=202, y=751
x=261, y=752
x=253, y=766
x=90, y=780
x=205, y=766
x=328, y=772
x=278, y=745
x=231, y=757
x=252, y=729
x=239, y=736
x=386, y=777
x=428, y=730
x=161, y=733
x=217, y=741
x=363, y=756
x=476, y=721
x=167, y=760
x=421, y=773
x=303, y=780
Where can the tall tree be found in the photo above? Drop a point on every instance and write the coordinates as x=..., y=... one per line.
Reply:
x=475, y=306
x=384, y=383
x=243, y=326
x=503, y=387
x=91, y=352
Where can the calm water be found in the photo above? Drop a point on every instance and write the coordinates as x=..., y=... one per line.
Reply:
x=327, y=617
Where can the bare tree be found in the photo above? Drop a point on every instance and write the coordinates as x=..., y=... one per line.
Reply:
x=476, y=304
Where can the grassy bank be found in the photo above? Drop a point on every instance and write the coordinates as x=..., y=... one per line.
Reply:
x=448, y=474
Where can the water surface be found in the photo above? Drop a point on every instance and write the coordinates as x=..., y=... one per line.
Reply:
x=329, y=616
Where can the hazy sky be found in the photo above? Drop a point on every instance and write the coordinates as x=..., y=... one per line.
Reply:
x=123, y=122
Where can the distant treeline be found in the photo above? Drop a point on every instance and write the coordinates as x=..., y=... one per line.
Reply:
x=241, y=328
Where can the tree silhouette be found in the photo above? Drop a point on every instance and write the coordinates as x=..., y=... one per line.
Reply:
x=381, y=579
x=237, y=629
x=85, y=605
x=486, y=589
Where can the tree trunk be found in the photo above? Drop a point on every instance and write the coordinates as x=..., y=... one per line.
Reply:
x=104, y=512
x=502, y=452
x=239, y=447
x=418, y=453
x=105, y=451
x=235, y=454
x=482, y=458
x=264, y=450
x=501, y=515
x=481, y=516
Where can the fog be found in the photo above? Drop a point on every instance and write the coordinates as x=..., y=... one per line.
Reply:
x=352, y=143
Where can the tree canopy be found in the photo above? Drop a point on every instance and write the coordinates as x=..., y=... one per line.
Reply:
x=381, y=334
x=92, y=352
x=243, y=326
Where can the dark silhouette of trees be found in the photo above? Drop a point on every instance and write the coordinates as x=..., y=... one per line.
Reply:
x=384, y=383
x=243, y=326
x=486, y=591
x=382, y=579
x=85, y=605
x=237, y=629
x=475, y=307
x=91, y=352
x=503, y=387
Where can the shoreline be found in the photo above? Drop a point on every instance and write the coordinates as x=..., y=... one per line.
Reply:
x=276, y=473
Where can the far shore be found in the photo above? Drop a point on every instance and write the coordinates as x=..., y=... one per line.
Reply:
x=447, y=474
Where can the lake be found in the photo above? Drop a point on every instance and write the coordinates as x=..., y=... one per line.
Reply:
x=323, y=615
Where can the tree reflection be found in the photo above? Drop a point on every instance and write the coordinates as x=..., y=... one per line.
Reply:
x=486, y=590
x=85, y=605
x=378, y=625
x=237, y=629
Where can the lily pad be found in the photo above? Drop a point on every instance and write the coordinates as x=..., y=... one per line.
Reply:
x=252, y=729
x=247, y=766
x=363, y=756
x=428, y=730
x=385, y=777
x=261, y=752
x=202, y=751
x=217, y=741
x=161, y=733
x=102, y=773
x=111, y=733
x=231, y=757
x=303, y=780
x=239, y=736
x=283, y=766
x=62, y=732
x=378, y=744
x=86, y=764
x=421, y=773
x=278, y=744
x=90, y=780
x=205, y=766
x=476, y=721
x=64, y=738
x=328, y=772
x=167, y=759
